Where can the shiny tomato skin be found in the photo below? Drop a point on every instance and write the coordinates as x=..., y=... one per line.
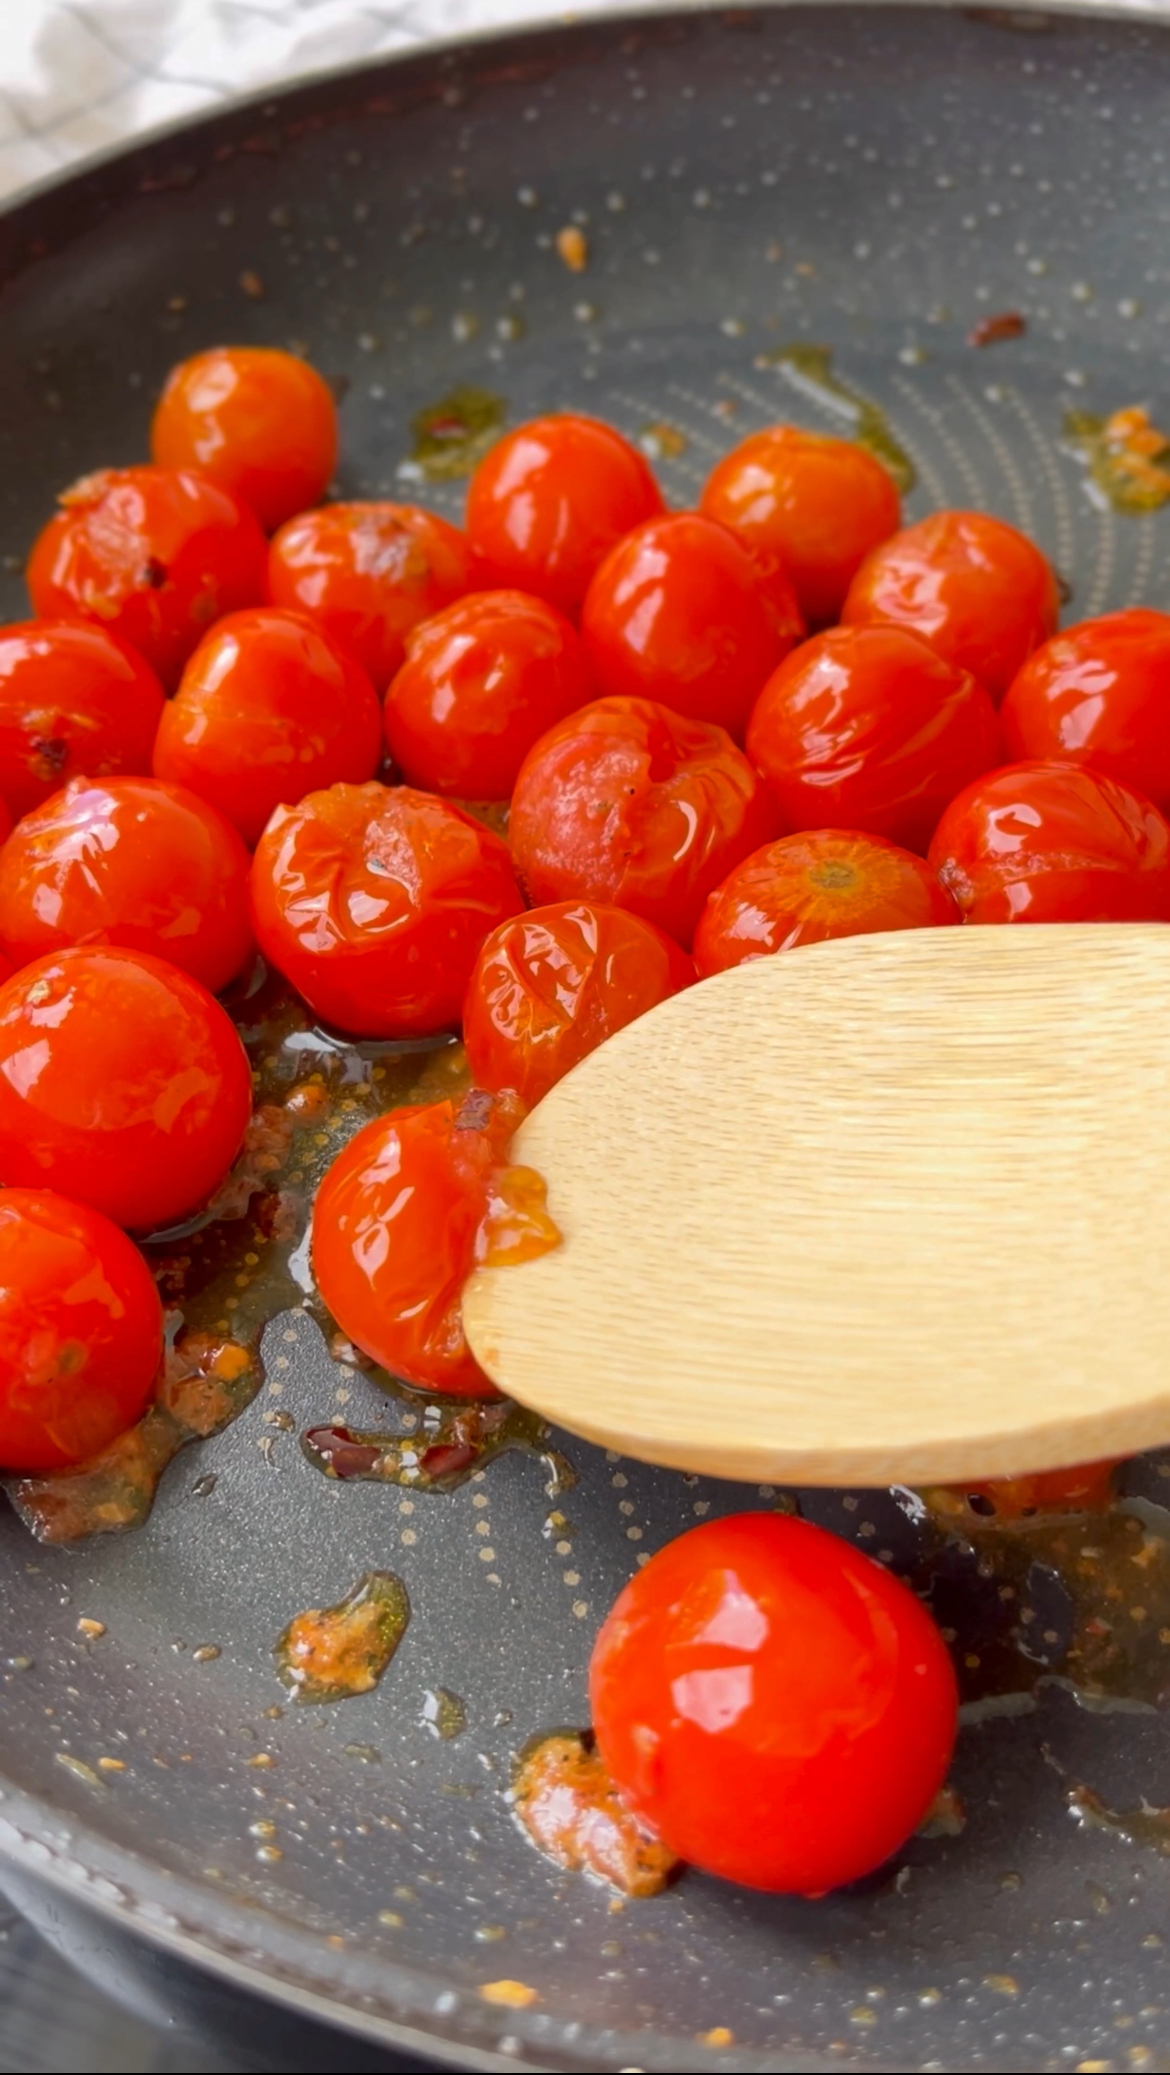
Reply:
x=551, y=499
x=481, y=683
x=811, y=505
x=128, y=861
x=978, y=591
x=867, y=728
x=1053, y=842
x=370, y=572
x=677, y=613
x=629, y=803
x=122, y=1083
x=257, y=420
x=1099, y=694
x=806, y=888
x=153, y=555
x=269, y=709
x=74, y=701
x=374, y=900
x=550, y=986
x=776, y=1706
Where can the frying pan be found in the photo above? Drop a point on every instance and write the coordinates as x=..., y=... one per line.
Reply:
x=872, y=180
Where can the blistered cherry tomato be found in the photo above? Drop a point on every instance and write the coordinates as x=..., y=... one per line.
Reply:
x=1053, y=842
x=257, y=420
x=80, y=1332
x=821, y=883
x=551, y=499
x=677, y=613
x=777, y=1706
x=1086, y=1488
x=122, y=1083
x=151, y=554
x=549, y=986
x=269, y=708
x=374, y=901
x=811, y=506
x=368, y=573
x=73, y=700
x=629, y=803
x=481, y=682
x=1099, y=694
x=128, y=861
x=978, y=591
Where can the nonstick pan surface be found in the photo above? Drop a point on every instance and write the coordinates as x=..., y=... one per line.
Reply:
x=869, y=180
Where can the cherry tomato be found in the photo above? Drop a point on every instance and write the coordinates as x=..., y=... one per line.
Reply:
x=822, y=883
x=122, y=1083
x=811, y=506
x=374, y=900
x=549, y=986
x=979, y=592
x=1039, y=842
x=368, y=573
x=773, y=1703
x=80, y=1332
x=677, y=613
x=73, y=700
x=551, y=499
x=629, y=803
x=257, y=420
x=1099, y=694
x=867, y=728
x=1087, y=1488
x=153, y=555
x=269, y=708
x=128, y=861
x=481, y=682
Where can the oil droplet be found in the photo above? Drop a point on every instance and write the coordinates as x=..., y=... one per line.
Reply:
x=444, y=1714
x=810, y=370
x=663, y=442
x=454, y=433
x=1145, y=1825
x=1127, y=457
x=332, y=1653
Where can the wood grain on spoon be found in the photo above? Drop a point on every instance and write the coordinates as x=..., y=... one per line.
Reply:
x=890, y=1209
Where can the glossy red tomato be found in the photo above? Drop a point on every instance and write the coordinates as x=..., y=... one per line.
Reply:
x=1054, y=842
x=122, y=1083
x=128, y=861
x=980, y=593
x=368, y=573
x=867, y=728
x=1099, y=694
x=257, y=420
x=810, y=506
x=374, y=900
x=773, y=1703
x=677, y=613
x=151, y=554
x=73, y=700
x=805, y=888
x=481, y=682
x=80, y=1332
x=628, y=803
x=551, y=499
x=269, y=709
x=549, y=986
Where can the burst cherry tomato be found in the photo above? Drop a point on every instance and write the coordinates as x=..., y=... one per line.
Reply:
x=73, y=700
x=773, y=1703
x=1054, y=842
x=867, y=728
x=153, y=555
x=549, y=986
x=811, y=506
x=822, y=883
x=628, y=803
x=129, y=861
x=677, y=613
x=257, y=420
x=551, y=499
x=979, y=592
x=122, y=1083
x=1099, y=694
x=269, y=709
x=368, y=573
x=374, y=901
x=1087, y=1488
x=481, y=682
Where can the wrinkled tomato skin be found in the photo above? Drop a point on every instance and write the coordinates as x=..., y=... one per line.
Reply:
x=1099, y=694
x=806, y=888
x=776, y=1706
x=258, y=421
x=74, y=701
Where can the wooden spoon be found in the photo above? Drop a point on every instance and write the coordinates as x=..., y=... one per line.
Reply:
x=890, y=1209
